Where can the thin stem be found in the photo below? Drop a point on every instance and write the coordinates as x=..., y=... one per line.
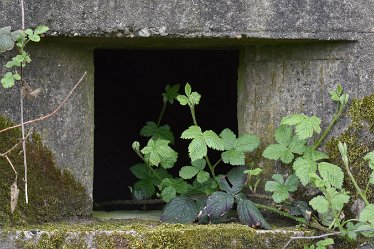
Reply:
x=337, y=115
x=162, y=113
x=210, y=166
x=215, y=165
x=149, y=166
x=192, y=109
x=23, y=139
x=353, y=180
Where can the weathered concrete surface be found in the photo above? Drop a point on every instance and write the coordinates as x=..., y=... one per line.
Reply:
x=69, y=134
x=316, y=19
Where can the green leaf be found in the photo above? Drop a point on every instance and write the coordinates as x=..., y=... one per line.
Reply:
x=171, y=93
x=283, y=134
x=247, y=143
x=159, y=152
x=213, y=141
x=303, y=168
x=218, y=204
x=274, y=151
x=314, y=155
x=367, y=214
x=192, y=132
x=187, y=89
x=202, y=177
x=292, y=182
x=16, y=76
x=370, y=158
x=187, y=172
x=339, y=200
x=249, y=214
x=183, y=100
x=369, y=234
x=6, y=41
x=41, y=29
x=194, y=98
x=34, y=38
x=234, y=181
x=199, y=164
x=331, y=174
x=153, y=131
x=371, y=179
x=297, y=146
x=287, y=157
x=320, y=204
x=253, y=172
x=168, y=193
x=280, y=188
x=7, y=81
x=197, y=149
x=229, y=139
x=323, y=243
x=233, y=157
x=180, y=210
x=293, y=119
x=140, y=170
x=304, y=126
x=143, y=189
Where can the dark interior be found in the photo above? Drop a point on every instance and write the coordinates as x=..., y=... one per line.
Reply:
x=128, y=87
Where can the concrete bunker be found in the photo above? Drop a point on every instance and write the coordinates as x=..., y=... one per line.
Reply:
x=128, y=87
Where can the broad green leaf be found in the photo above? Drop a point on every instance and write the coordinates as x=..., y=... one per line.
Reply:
x=213, y=141
x=199, y=164
x=274, y=151
x=171, y=93
x=368, y=234
x=192, y=132
x=159, y=151
x=253, y=172
x=320, y=204
x=339, y=200
x=187, y=89
x=371, y=179
x=168, y=193
x=229, y=139
x=34, y=38
x=293, y=119
x=183, y=100
x=287, y=156
x=41, y=30
x=18, y=35
x=153, y=131
x=314, y=155
x=218, y=204
x=7, y=81
x=278, y=178
x=292, y=182
x=300, y=208
x=303, y=168
x=367, y=214
x=233, y=157
x=304, y=126
x=29, y=32
x=249, y=214
x=271, y=186
x=194, y=98
x=140, y=170
x=280, y=188
x=234, y=181
x=297, y=146
x=143, y=189
x=16, y=76
x=370, y=158
x=247, y=143
x=202, y=177
x=332, y=174
x=283, y=134
x=197, y=149
x=187, y=172
x=6, y=41
x=180, y=210
x=323, y=243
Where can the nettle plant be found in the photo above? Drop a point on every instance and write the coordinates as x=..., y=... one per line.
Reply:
x=310, y=168
x=198, y=193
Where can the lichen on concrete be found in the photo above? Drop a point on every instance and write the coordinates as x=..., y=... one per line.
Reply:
x=54, y=194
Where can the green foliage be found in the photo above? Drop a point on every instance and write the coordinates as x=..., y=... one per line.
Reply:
x=235, y=148
x=152, y=130
x=370, y=158
x=198, y=147
x=322, y=244
x=287, y=145
x=305, y=126
x=197, y=169
x=171, y=93
x=281, y=188
x=190, y=98
x=159, y=152
x=19, y=38
x=181, y=209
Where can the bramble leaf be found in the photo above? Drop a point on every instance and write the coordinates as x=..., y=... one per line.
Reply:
x=320, y=204
x=314, y=155
x=191, y=98
x=249, y=214
x=41, y=30
x=218, y=204
x=202, y=176
x=303, y=168
x=234, y=181
x=159, y=152
x=283, y=134
x=171, y=93
x=187, y=172
x=153, y=131
x=304, y=126
x=9, y=79
x=140, y=171
x=143, y=189
x=168, y=193
x=233, y=157
x=180, y=210
x=6, y=41
x=370, y=158
x=280, y=188
x=332, y=174
x=367, y=214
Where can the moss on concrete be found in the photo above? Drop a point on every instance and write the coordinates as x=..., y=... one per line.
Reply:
x=53, y=193
x=359, y=138
x=149, y=234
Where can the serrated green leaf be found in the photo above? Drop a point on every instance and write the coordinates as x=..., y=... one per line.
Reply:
x=271, y=186
x=197, y=149
x=292, y=182
x=16, y=76
x=202, y=177
x=287, y=157
x=278, y=178
x=213, y=141
x=323, y=243
x=306, y=128
x=143, y=189
x=229, y=139
x=367, y=214
x=183, y=100
x=18, y=35
x=218, y=204
x=168, y=193
x=283, y=134
x=187, y=89
x=180, y=210
x=371, y=179
x=6, y=41
x=34, y=38
x=187, y=172
x=199, y=164
x=303, y=168
x=339, y=200
x=41, y=29
x=332, y=174
x=369, y=234
x=297, y=146
x=274, y=151
x=7, y=81
x=140, y=170
x=280, y=188
x=192, y=132
x=249, y=214
x=233, y=157
x=171, y=93
x=320, y=204
x=159, y=152
x=153, y=131
x=370, y=158
x=194, y=98
x=314, y=155
x=247, y=143
x=293, y=119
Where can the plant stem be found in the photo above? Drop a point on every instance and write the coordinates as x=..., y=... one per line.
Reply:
x=358, y=189
x=215, y=165
x=210, y=166
x=23, y=137
x=162, y=113
x=149, y=166
x=297, y=219
x=192, y=109
x=336, y=117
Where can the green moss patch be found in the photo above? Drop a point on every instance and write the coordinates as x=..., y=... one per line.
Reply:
x=360, y=140
x=53, y=193
x=149, y=234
